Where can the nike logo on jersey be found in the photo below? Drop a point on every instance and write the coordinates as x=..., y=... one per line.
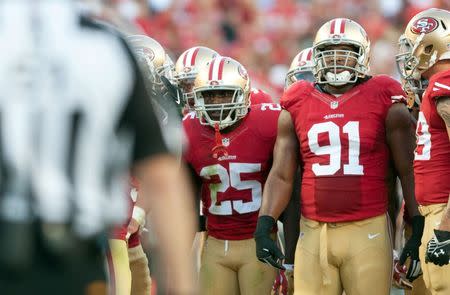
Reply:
x=373, y=236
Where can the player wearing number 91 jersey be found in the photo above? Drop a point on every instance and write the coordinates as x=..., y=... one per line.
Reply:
x=343, y=129
x=230, y=153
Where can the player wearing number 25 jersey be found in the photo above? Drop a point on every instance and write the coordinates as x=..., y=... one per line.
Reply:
x=230, y=151
x=343, y=130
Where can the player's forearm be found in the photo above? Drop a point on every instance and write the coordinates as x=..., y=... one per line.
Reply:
x=291, y=221
x=277, y=192
x=407, y=181
x=443, y=109
x=401, y=140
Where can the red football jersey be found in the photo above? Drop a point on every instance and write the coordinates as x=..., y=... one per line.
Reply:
x=257, y=96
x=343, y=148
x=432, y=155
x=120, y=232
x=232, y=184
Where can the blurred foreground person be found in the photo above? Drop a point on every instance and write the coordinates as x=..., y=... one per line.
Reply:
x=75, y=114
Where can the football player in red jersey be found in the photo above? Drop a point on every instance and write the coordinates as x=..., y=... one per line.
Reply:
x=425, y=56
x=186, y=69
x=343, y=130
x=301, y=68
x=230, y=154
x=403, y=229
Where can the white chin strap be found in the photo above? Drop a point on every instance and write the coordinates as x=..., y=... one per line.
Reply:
x=338, y=79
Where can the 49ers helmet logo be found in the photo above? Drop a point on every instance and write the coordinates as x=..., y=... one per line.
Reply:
x=424, y=25
x=149, y=52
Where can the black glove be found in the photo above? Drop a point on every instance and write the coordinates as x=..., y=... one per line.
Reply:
x=438, y=248
x=201, y=223
x=267, y=250
x=411, y=248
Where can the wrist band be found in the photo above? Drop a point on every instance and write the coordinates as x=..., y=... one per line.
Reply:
x=288, y=266
x=139, y=215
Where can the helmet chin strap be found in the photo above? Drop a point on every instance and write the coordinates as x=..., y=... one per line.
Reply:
x=338, y=79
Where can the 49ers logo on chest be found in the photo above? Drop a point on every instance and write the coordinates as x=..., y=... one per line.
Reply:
x=424, y=25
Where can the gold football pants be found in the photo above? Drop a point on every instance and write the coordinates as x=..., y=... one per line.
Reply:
x=437, y=278
x=231, y=267
x=355, y=257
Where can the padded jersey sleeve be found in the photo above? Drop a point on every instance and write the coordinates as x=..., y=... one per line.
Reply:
x=392, y=89
x=257, y=96
x=188, y=119
x=439, y=86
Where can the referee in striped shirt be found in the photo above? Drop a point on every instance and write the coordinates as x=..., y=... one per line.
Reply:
x=74, y=116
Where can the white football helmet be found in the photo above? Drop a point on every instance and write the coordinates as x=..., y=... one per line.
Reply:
x=187, y=67
x=301, y=67
x=340, y=67
x=222, y=74
x=425, y=41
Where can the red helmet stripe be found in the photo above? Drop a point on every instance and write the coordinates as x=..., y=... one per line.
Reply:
x=185, y=58
x=308, y=57
x=300, y=56
x=211, y=67
x=222, y=62
x=342, y=29
x=194, y=56
x=333, y=24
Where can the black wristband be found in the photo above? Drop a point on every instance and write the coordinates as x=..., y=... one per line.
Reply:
x=442, y=235
x=264, y=226
x=201, y=223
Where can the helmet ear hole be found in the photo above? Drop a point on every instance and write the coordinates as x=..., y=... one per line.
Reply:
x=428, y=49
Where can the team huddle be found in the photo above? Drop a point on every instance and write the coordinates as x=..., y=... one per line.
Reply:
x=349, y=136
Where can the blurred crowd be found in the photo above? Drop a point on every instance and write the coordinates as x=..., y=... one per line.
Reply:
x=265, y=35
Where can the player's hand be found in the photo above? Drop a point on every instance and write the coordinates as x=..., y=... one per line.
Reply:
x=399, y=280
x=137, y=221
x=284, y=282
x=411, y=249
x=132, y=228
x=267, y=250
x=438, y=248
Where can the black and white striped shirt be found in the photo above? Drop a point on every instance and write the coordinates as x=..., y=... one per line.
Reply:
x=74, y=113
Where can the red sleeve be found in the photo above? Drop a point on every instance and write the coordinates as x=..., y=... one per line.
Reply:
x=187, y=125
x=439, y=86
x=257, y=96
x=268, y=114
x=291, y=95
x=392, y=88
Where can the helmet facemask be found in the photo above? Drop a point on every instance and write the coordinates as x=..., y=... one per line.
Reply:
x=339, y=67
x=187, y=85
x=212, y=109
x=299, y=75
x=407, y=63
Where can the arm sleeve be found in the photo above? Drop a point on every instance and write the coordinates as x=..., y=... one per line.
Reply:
x=139, y=117
x=291, y=96
x=394, y=90
x=440, y=86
